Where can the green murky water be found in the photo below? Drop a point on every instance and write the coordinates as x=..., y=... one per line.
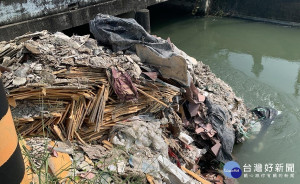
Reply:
x=261, y=62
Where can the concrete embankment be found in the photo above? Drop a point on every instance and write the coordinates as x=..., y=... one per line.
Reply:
x=279, y=12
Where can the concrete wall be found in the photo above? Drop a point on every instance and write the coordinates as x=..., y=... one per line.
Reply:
x=285, y=10
x=12, y=11
x=20, y=16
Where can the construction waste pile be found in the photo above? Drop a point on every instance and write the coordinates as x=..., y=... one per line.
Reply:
x=124, y=107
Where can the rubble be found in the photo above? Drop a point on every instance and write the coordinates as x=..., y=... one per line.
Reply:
x=75, y=92
x=129, y=110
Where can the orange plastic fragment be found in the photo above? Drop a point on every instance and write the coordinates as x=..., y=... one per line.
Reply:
x=150, y=179
x=194, y=175
x=60, y=165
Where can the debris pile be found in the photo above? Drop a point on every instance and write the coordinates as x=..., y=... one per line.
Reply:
x=67, y=89
x=168, y=111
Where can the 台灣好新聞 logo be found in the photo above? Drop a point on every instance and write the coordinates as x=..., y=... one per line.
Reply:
x=232, y=170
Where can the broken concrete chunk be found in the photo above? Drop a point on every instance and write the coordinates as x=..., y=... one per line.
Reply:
x=185, y=138
x=100, y=62
x=135, y=58
x=81, y=39
x=92, y=44
x=38, y=67
x=23, y=70
x=84, y=166
x=18, y=81
x=141, y=132
x=78, y=157
x=32, y=46
x=62, y=39
x=121, y=167
x=176, y=175
x=6, y=61
x=112, y=168
x=63, y=148
x=174, y=67
x=94, y=151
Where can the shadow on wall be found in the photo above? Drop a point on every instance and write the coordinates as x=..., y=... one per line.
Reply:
x=286, y=10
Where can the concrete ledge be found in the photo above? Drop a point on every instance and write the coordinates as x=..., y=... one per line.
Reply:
x=272, y=21
x=73, y=18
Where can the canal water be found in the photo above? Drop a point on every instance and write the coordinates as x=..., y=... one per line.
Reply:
x=261, y=62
